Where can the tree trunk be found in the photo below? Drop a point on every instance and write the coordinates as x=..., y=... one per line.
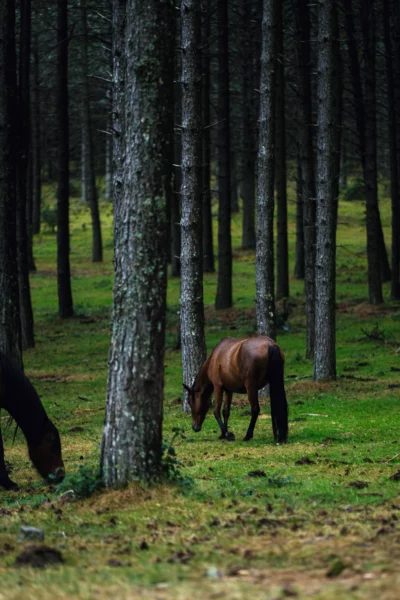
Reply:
x=394, y=173
x=131, y=445
x=87, y=146
x=23, y=140
x=307, y=168
x=234, y=183
x=224, y=285
x=65, y=307
x=325, y=358
x=208, y=243
x=175, y=224
x=192, y=309
x=282, y=255
x=83, y=169
x=265, y=300
x=299, y=263
x=10, y=325
x=249, y=143
x=36, y=143
x=108, y=166
x=370, y=169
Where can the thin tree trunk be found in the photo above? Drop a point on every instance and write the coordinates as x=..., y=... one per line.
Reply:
x=265, y=300
x=370, y=170
x=10, y=324
x=175, y=235
x=299, y=263
x=191, y=300
x=307, y=168
x=234, y=183
x=65, y=307
x=337, y=110
x=83, y=169
x=249, y=144
x=208, y=244
x=366, y=126
x=325, y=357
x=87, y=146
x=132, y=437
x=26, y=312
x=282, y=253
x=108, y=166
x=36, y=143
x=29, y=213
x=224, y=285
x=394, y=173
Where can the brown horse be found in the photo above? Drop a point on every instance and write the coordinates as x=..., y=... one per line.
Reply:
x=241, y=366
x=19, y=398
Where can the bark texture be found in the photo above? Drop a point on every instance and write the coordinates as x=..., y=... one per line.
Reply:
x=265, y=299
x=65, y=307
x=131, y=446
x=191, y=309
x=224, y=285
x=10, y=328
x=299, y=261
x=324, y=356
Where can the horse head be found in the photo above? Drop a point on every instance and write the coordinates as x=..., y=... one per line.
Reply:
x=46, y=455
x=199, y=402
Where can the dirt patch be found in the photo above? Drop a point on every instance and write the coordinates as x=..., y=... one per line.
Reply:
x=39, y=557
x=366, y=310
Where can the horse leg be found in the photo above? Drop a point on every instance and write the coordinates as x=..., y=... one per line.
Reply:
x=226, y=411
x=218, y=395
x=255, y=411
x=5, y=481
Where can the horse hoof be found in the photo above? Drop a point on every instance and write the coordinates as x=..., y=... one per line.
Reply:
x=247, y=438
x=229, y=436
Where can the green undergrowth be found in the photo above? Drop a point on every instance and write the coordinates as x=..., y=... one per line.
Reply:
x=232, y=518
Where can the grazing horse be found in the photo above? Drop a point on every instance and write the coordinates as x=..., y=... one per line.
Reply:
x=20, y=399
x=241, y=366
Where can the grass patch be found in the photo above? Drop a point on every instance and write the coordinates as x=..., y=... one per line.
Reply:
x=316, y=517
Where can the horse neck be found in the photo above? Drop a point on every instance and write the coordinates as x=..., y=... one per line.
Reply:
x=202, y=379
x=21, y=401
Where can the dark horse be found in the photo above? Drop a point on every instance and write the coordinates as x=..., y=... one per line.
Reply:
x=241, y=366
x=19, y=398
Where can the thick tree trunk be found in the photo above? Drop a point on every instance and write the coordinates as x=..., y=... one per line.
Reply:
x=249, y=143
x=36, y=143
x=306, y=165
x=392, y=134
x=87, y=146
x=370, y=168
x=23, y=139
x=265, y=299
x=10, y=325
x=208, y=243
x=131, y=446
x=192, y=309
x=65, y=307
x=324, y=357
x=299, y=262
x=282, y=254
x=224, y=286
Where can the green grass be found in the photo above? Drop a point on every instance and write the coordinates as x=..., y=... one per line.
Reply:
x=221, y=532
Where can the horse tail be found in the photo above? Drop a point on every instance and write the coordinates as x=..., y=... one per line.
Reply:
x=279, y=406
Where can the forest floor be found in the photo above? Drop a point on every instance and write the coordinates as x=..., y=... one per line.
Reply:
x=316, y=518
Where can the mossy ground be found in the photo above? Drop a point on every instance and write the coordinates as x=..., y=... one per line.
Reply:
x=322, y=522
